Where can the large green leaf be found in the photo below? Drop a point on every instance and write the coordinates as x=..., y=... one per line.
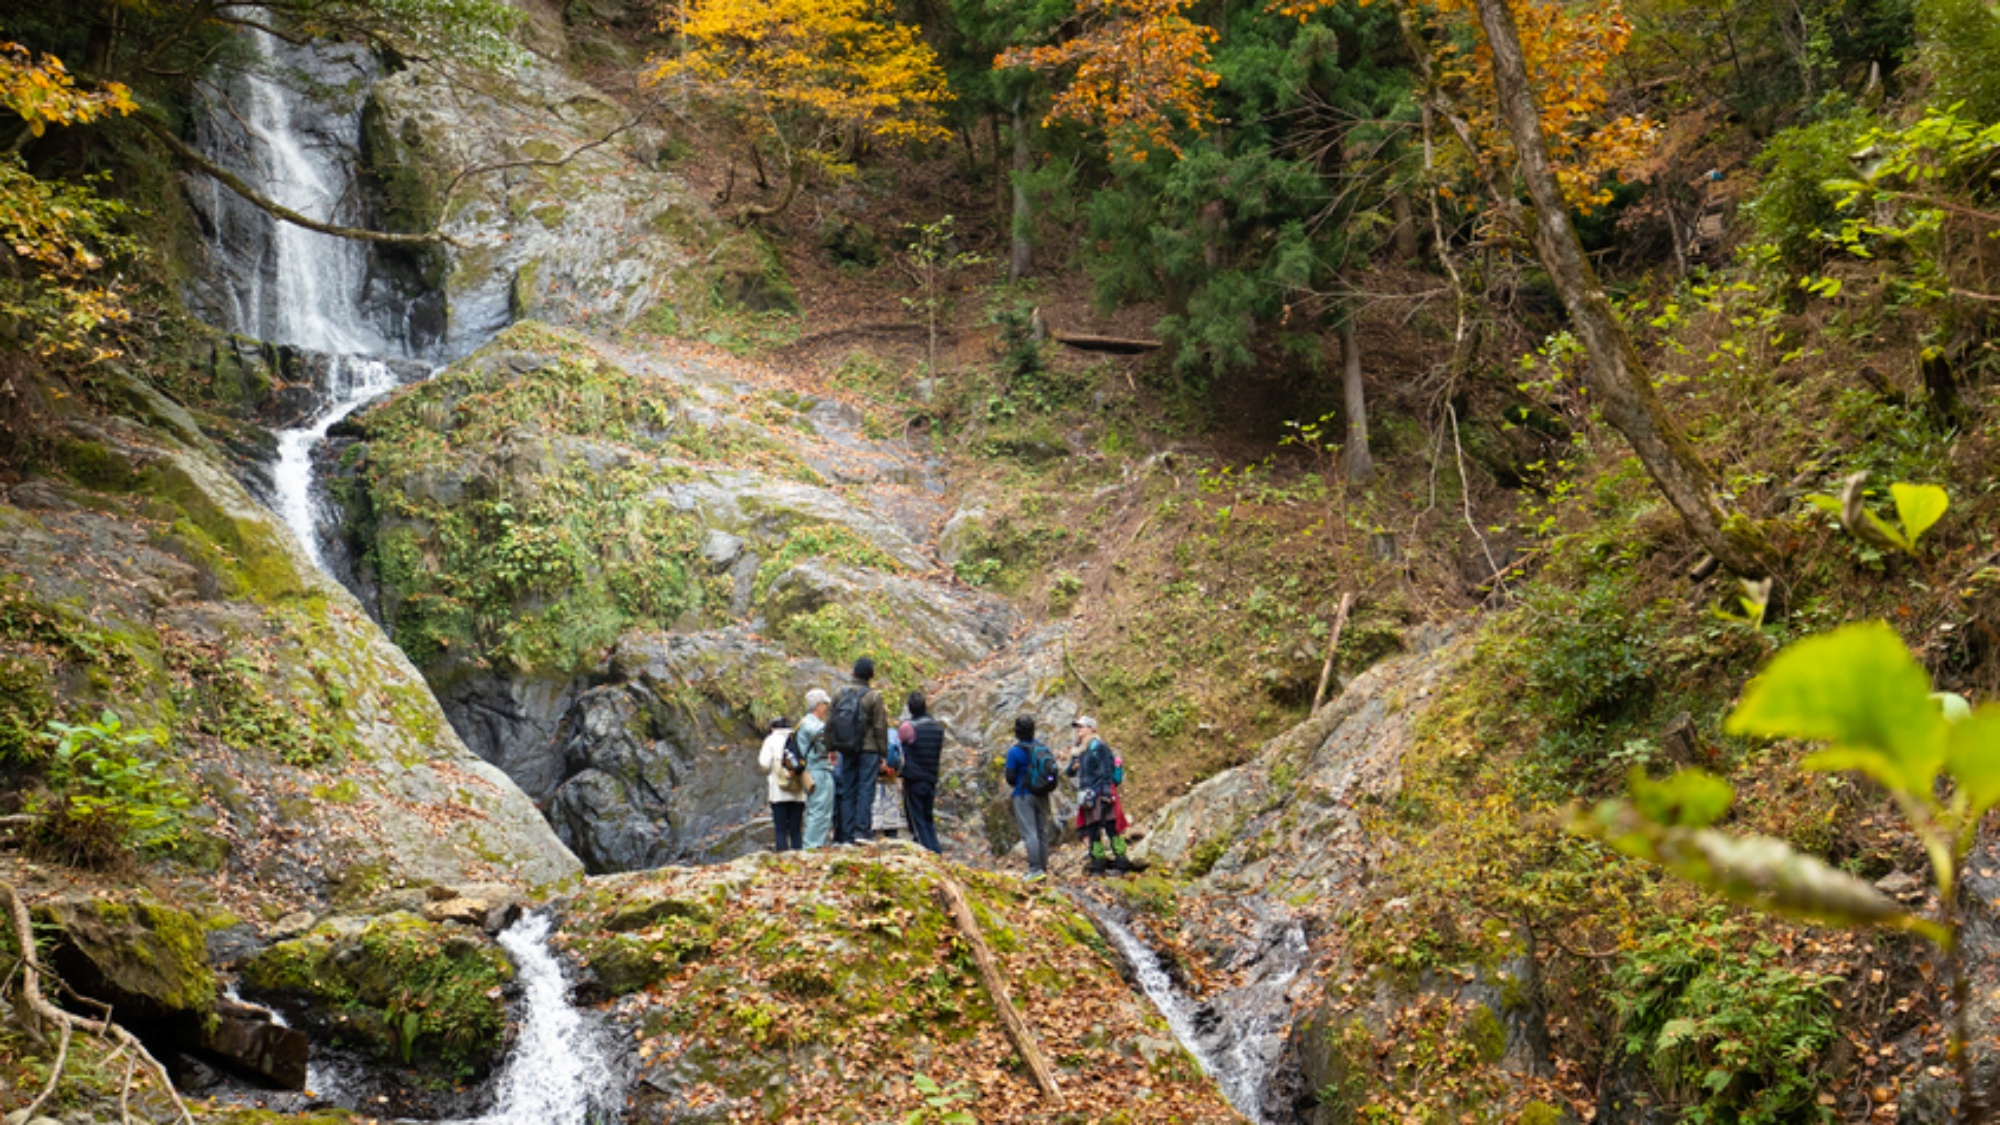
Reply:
x=1918, y=506
x=1972, y=754
x=1858, y=689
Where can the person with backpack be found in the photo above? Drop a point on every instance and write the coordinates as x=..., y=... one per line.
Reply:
x=923, y=767
x=858, y=735
x=1099, y=773
x=1031, y=770
x=819, y=767
x=789, y=782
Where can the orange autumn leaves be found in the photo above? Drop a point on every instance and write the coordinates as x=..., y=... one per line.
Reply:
x=1569, y=49
x=1141, y=71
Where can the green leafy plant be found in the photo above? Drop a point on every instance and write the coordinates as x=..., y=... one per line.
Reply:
x=1731, y=1033
x=106, y=798
x=933, y=259
x=1918, y=508
x=1862, y=693
x=943, y=1105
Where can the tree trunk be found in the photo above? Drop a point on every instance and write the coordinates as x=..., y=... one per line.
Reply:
x=1020, y=255
x=1408, y=248
x=795, y=175
x=1619, y=379
x=1001, y=197
x=952, y=897
x=1359, y=463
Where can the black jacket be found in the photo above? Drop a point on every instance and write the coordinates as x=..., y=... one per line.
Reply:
x=923, y=755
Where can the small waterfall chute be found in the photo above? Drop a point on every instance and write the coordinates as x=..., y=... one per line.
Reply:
x=1238, y=1037
x=560, y=1070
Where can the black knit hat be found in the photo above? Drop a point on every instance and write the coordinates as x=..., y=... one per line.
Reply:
x=864, y=669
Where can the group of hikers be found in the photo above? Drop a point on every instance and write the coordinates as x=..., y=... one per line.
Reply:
x=846, y=775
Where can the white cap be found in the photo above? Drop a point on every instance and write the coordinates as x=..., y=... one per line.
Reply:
x=817, y=696
x=1084, y=721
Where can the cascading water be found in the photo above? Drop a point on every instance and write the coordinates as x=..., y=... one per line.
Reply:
x=559, y=1072
x=279, y=282
x=286, y=285
x=1238, y=1036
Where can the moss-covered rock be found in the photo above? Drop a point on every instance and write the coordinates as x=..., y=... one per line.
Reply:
x=145, y=958
x=138, y=577
x=398, y=987
x=742, y=987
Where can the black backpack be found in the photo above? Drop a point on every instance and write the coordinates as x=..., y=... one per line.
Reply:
x=795, y=762
x=848, y=722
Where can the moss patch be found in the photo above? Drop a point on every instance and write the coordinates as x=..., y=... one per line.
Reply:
x=403, y=989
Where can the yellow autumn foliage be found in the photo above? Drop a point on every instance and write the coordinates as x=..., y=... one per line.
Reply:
x=42, y=92
x=1569, y=48
x=1142, y=71
x=61, y=231
x=809, y=69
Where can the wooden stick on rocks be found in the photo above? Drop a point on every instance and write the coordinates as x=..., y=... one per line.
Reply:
x=1332, y=642
x=952, y=897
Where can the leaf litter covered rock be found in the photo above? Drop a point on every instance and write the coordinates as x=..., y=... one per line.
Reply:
x=832, y=987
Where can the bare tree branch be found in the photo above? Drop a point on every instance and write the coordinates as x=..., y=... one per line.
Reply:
x=278, y=210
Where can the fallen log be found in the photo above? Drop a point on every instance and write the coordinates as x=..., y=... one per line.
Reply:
x=952, y=897
x=1117, y=345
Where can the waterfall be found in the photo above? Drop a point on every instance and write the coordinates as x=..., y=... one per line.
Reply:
x=559, y=1072
x=1238, y=1036
x=291, y=126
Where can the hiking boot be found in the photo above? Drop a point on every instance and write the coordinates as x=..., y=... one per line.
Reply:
x=1123, y=866
x=1037, y=876
x=1097, y=866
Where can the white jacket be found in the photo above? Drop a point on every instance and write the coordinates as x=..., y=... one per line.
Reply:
x=771, y=759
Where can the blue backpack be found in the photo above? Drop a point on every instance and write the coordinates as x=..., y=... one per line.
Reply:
x=892, y=762
x=1042, y=772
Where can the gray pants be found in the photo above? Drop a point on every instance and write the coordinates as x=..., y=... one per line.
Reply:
x=1038, y=829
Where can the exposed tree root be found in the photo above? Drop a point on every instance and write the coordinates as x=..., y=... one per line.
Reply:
x=68, y=1023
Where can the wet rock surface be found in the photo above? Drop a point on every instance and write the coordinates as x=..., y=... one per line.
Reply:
x=176, y=590
x=627, y=690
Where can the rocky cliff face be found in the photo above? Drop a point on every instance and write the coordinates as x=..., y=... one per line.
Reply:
x=1288, y=831
x=557, y=199
x=142, y=580
x=613, y=567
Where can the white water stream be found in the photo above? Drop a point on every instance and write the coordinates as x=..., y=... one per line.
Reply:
x=307, y=289
x=1239, y=1055
x=559, y=1072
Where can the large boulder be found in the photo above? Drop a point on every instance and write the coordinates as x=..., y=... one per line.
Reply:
x=833, y=985
x=424, y=1001
x=149, y=961
x=289, y=740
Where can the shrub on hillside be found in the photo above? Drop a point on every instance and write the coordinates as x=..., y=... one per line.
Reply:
x=1794, y=211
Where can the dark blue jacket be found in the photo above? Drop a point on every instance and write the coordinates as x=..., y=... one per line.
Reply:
x=923, y=755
